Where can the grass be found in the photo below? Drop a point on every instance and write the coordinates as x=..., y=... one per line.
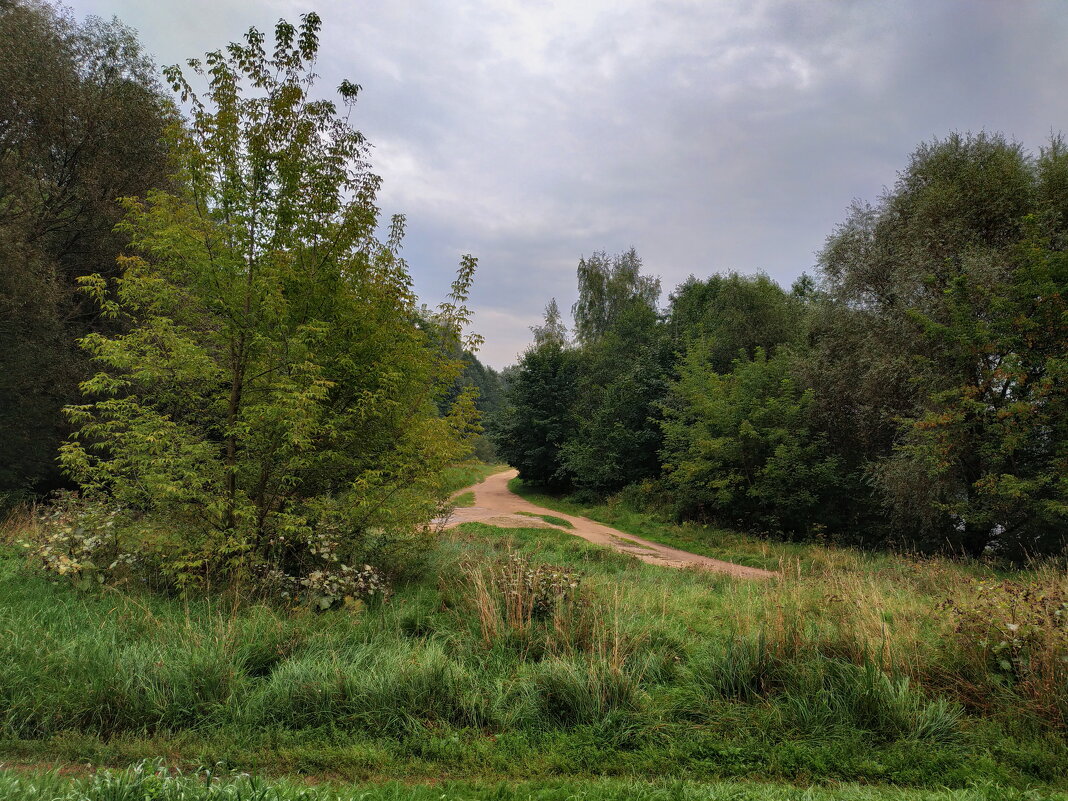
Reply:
x=717, y=542
x=552, y=520
x=848, y=669
x=469, y=474
x=142, y=783
x=464, y=499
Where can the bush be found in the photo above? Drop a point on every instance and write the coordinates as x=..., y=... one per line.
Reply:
x=1016, y=632
x=519, y=598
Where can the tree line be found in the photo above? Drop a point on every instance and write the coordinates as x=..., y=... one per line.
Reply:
x=912, y=394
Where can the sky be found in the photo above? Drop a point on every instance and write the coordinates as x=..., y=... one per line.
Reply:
x=710, y=135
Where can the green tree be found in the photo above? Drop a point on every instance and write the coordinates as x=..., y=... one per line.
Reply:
x=272, y=400
x=739, y=446
x=735, y=314
x=81, y=125
x=990, y=455
x=622, y=376
x=621, y=364
x=607, y=288
x=537, y=419
x=907, y=328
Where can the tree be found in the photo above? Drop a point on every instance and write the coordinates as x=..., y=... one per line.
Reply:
x=908, y=329
x=271, y=402
x=552, y=331
x=734, y=314
x=991, y=453
x=621, y=372
x=622, y=376
x=739, y=447
x=537, y=419
x=81, y=125
x=607, y=287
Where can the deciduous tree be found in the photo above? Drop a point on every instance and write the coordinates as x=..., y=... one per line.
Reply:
x=271, y=403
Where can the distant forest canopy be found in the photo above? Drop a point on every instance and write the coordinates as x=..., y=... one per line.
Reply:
x=913, y=394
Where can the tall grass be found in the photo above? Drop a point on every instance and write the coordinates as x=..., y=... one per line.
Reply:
x=534, y=652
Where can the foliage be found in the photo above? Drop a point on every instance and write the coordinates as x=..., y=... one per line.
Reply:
x=1018, y=629
x=537, y=420
x=619, y=362
x=273, y=394
x=991, y=453
x=82, y=118
x=488, y=393
x=608, y=288
x=734, y=315
x=78, y=538
x=923, y=380
x=739, y=447
x=621, y=377
x=343, y=585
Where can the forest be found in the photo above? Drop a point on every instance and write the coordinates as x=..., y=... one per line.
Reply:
x=271, y=530
x=910, y=395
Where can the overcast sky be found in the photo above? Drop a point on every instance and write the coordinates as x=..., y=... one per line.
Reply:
x=712, y=136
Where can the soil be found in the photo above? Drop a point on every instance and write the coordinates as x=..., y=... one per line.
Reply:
x=497, y=505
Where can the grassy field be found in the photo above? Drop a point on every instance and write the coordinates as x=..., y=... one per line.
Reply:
x=533, y=658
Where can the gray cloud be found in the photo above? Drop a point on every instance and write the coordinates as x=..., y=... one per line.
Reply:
x=710, y=136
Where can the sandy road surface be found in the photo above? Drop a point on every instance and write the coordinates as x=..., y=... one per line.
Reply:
x=497, y=505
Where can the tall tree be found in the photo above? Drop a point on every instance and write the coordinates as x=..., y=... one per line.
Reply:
x=913, y=284
x=81, y=125
x=607, y=288
x=990, y=454
x=621, y=362
x=272, y=397
x=538, y=419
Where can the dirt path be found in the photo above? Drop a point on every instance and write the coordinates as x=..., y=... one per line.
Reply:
x=496, y=505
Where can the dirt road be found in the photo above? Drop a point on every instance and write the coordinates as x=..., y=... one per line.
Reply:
x=496, y=505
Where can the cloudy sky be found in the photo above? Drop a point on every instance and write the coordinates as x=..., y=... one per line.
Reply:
x=710, y=135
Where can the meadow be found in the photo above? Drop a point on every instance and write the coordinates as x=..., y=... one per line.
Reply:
x=528, y=656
